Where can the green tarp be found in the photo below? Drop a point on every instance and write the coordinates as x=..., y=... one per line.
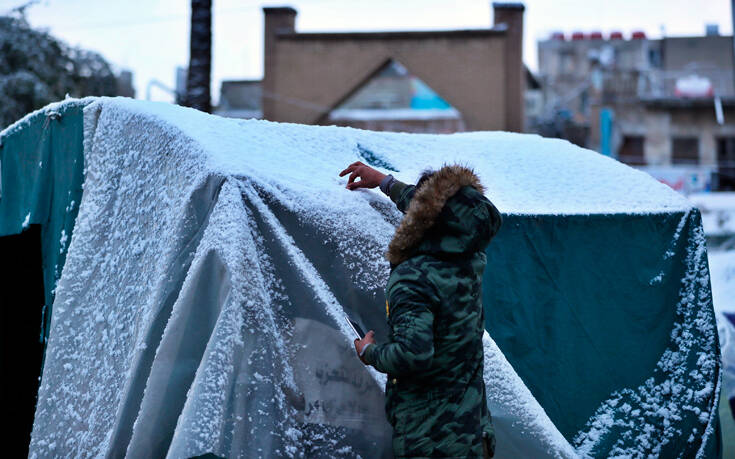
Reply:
x=42, y=164
x=585, y=306
x=596, y=313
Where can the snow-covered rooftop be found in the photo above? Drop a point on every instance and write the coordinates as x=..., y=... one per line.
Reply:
x=524, y=174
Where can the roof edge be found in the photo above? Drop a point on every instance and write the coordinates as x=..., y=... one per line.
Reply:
x=461, y=33
x=279, y=10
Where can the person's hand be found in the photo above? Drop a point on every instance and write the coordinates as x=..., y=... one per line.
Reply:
x=369, y=177
x=360, y=344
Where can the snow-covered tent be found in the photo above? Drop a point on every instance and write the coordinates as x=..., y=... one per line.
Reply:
x=196, y=303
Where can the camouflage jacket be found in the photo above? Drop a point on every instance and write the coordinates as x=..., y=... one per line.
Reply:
x=435, y=394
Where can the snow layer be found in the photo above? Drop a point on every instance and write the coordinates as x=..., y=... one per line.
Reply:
x=722, y=267
x=47, y=110
x=524, y=174
x=205, y=247
x=367, y=114
x=718, y=212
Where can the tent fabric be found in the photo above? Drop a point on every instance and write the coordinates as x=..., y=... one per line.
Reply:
x=202, y=305
x=597, y=333
x=42, y=162
x=197, y=313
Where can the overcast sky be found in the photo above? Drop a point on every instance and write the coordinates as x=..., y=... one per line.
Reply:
x=150, y=37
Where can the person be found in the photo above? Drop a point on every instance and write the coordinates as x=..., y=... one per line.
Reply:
x=435, y=392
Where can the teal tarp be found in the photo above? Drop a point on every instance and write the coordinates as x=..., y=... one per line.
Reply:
x=42, y=173
x=584, y=307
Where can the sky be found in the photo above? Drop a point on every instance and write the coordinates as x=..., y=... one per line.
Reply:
x=151, y=37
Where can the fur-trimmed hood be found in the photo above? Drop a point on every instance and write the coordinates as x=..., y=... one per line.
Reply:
x=448, y=216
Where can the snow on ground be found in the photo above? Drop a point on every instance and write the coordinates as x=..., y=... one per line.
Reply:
x=718, y=221
x=718, y=212
x=722, y=272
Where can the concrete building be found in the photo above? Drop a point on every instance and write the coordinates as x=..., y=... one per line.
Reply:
x=396, y=100
x=665, y=105
x=478, y=72
x=240, y=99
x=124, y=83
x=439, y=81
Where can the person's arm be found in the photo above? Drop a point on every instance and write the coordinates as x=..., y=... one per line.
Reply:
x=412, y=321
x=399, y=192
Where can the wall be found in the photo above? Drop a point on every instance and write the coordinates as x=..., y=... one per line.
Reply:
x=664, y=124
x=309, y=74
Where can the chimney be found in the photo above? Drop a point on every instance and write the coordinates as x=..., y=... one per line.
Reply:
x=277, y=20
x=511, y=14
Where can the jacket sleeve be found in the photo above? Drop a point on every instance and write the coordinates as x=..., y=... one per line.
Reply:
x=411, y=347
x=401, y=194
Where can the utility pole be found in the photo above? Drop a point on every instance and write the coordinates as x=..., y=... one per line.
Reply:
x=200, y=56
x=732, y=13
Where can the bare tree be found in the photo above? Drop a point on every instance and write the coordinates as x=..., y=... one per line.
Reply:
x=200, y=56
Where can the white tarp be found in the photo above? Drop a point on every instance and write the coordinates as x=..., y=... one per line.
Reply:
x=201, y=305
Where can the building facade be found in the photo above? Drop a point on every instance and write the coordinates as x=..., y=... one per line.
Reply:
x=479, y=73
x=665, y=105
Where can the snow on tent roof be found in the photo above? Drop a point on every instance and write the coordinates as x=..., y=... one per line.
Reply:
x=202, y=304
x=524, y=174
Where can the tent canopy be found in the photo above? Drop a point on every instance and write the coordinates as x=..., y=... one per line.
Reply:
x=201, y=304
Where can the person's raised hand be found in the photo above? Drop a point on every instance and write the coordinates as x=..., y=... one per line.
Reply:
x=360, y=344
x=369, y=177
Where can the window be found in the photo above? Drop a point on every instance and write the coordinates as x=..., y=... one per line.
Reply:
x=631, y=151
x=654, y=58
x=726, y=164
x=685, y=150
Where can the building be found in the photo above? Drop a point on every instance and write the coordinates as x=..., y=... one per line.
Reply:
x=124, y=84
x=435, y=81
x=240, y=99
x=665, y=105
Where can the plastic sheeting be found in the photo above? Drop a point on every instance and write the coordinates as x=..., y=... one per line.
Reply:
x=200, y=312
x=42, y=163
x=201, y=305
x=616, y=338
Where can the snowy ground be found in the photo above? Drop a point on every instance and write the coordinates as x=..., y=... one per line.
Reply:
x=722, y=271
x=718, y=219
x=718, y=212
